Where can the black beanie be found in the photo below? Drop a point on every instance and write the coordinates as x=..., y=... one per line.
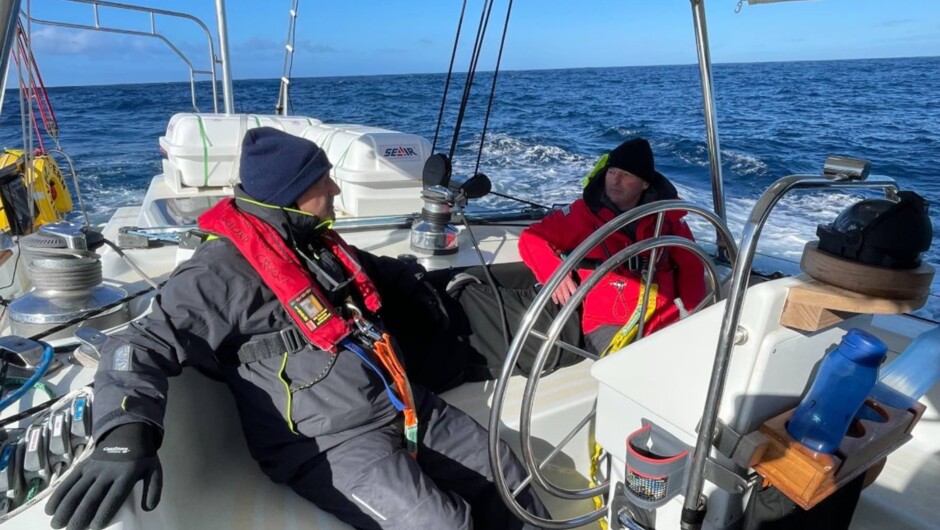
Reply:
x=278, y=167
x=634, y=156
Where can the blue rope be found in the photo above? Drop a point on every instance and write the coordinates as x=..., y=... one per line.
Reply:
x=47, y=355
x=361, y=353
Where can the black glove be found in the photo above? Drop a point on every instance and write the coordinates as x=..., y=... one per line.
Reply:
x=94, y=492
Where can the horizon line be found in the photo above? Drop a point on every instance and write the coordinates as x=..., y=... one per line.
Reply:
x=502, y=71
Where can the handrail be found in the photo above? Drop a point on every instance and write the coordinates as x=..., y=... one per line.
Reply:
x=152, y=33
x=693, y=509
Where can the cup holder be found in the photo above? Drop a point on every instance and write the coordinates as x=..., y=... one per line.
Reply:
x=870, y=412
x=657, y=465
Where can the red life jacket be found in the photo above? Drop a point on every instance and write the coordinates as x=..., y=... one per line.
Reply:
x=283, y=273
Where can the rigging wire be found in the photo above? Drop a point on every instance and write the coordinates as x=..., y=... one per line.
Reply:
x=450, y=72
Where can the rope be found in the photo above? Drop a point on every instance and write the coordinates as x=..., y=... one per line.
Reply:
x=475, y=55
x=450, y=72
x=503, y=321
x=489, y=104
x=36, y=88
x=478, y=47
x=626, y=335
x=56, y=274
x=131, y=264
x=471, y=72
x=205, y=150
x=27, y=143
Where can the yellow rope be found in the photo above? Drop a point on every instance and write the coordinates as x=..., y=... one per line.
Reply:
x=620, y=340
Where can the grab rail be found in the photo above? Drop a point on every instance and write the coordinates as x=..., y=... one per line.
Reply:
x=693, y=509
x=153, y=12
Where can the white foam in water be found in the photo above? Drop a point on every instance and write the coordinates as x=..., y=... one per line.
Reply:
x=547, y=174
x=106, y=199
x=744, y=164
x=551, y=175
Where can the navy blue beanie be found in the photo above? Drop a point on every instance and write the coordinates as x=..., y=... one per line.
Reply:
x=277, y=167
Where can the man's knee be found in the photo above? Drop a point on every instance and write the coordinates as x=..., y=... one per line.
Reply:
x=399, y=505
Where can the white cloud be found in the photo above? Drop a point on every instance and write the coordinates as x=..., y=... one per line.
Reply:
x=67, y=41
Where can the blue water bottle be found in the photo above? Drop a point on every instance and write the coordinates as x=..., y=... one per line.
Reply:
x=843, y=381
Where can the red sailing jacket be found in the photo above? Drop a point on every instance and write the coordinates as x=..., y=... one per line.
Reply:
x=612, y=301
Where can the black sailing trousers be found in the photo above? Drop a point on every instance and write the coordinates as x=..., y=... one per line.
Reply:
x=371, y=482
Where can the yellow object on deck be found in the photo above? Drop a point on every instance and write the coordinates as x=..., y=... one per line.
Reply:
x=50, y=196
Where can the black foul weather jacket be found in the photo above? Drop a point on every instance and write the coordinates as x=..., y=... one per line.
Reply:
x=291, y=408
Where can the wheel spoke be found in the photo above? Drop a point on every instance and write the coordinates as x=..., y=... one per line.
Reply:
x=561, y=445
x=565, y=346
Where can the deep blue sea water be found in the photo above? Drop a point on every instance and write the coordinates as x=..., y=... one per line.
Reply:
x=548, y=127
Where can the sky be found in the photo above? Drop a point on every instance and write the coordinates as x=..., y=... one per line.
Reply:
x=370, y=37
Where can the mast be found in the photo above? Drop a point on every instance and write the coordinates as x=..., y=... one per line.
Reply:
x=9, y=10
x=222, y=22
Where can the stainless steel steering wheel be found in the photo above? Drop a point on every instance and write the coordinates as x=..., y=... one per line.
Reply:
x=550, y=342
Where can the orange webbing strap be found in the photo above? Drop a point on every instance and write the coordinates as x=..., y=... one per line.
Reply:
x=386, y=353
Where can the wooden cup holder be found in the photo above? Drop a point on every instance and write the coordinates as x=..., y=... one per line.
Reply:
x=808, y=477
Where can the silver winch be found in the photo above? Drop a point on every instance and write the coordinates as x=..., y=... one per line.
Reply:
x=66, y=279
x=432, y=232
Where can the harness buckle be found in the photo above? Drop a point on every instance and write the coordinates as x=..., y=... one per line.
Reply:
x=364, y=326
x=293, y=339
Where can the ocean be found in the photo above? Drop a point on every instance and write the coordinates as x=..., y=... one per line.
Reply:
x=548, y=127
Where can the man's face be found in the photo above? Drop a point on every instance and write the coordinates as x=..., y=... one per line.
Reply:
x=318, y=199
x=623, y=188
